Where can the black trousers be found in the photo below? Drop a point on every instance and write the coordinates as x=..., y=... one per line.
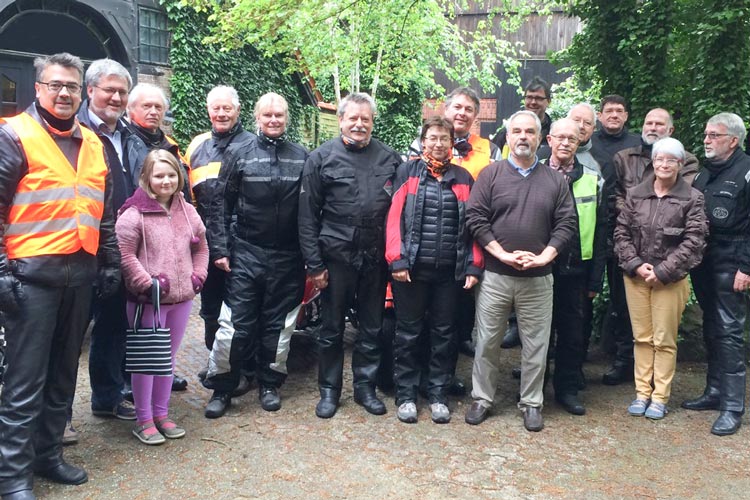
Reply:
x=431, y=292
x=107, y=351
x=619, y=316
x=43, y=346
x=263, y=286
x=364, y=289
x=724, y=315
x=568, y=319
x=212, y=296
x=465, y=313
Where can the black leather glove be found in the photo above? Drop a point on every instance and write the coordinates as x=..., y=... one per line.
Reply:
x=107, y=281
x=11, y=290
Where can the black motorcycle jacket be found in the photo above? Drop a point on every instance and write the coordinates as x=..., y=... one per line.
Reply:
x=259, y=184
x=726, y=188
x=345, y=196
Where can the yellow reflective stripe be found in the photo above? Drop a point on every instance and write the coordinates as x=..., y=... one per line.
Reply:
x=42, y=195
x=45, y=226
x=200, y=174
x=200, y=139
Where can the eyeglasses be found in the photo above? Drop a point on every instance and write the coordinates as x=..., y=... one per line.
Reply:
x=566, y=138
x=534, y=98
x=582, y=123
x=672, y=162
x=713, y=135
x=112, y=91
x=56, y=87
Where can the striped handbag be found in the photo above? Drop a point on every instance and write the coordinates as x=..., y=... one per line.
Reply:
x=149, y=349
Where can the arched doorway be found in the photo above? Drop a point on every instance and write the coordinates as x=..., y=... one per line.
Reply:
x=27, y=31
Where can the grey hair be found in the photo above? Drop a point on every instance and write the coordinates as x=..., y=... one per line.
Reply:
x=537, y=121
x=563, y=121
x=357, y=98
x=140, y=89
x=219, y=90
x=586, y=105
x=464, y=91
x=63, y=59
x=733, y=123
x=106, y=67
x=668, y=146
x=670, y=121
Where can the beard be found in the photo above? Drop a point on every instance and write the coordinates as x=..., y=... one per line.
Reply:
x=523, y=151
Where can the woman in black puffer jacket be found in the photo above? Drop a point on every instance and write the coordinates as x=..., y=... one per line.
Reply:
x=430, y=253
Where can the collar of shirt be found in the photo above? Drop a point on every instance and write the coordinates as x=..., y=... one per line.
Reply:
x=524, y=172
x=115, y=138
x=564, y=169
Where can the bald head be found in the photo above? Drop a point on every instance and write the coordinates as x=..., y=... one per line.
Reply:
x=585, y=116
x=657, y=125
x=563, y=138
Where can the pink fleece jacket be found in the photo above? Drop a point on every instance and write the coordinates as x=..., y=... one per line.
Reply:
x=153, y=241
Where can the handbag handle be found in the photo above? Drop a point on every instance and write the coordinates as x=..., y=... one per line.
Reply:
x=155, y=294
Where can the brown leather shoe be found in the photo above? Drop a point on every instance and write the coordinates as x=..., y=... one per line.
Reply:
x=477, y=413
x=532, y=419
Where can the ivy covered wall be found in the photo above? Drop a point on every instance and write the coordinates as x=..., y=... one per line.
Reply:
x=198, y=68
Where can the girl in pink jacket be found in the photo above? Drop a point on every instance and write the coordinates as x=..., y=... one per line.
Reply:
x=160, y=236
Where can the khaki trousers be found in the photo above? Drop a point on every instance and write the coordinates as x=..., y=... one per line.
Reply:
x=532, y=299
x=655, y=315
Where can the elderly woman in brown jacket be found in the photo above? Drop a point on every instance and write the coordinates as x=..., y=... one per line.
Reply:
x=660, y=236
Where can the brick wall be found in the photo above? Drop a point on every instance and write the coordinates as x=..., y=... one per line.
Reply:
x=487, y=112
x=159, y=76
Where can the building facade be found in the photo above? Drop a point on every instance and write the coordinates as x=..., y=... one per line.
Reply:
x=132, y=32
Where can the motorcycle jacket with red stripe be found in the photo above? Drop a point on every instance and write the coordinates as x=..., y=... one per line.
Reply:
x=405, y=219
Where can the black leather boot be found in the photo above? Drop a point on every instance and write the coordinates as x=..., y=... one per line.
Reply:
x=218, y=404
x=618, y=374
x=365, y=396
x=20, y=495
x=511, y=338
x=64, y=473
x=709, y=400
x=328, y=404
x=179, y=384
x=727, y=424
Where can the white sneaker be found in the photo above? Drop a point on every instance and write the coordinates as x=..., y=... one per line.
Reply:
x=440, y=413
x=407, y=412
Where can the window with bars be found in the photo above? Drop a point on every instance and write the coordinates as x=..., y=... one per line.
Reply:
x=154, y=36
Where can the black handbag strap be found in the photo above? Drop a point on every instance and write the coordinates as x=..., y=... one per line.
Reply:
x=155, y=294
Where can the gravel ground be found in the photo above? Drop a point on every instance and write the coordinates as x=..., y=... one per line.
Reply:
x=291, y=454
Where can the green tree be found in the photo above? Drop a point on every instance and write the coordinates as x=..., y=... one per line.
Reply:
x=689, y=56
x=198, y=67
x=364, y=45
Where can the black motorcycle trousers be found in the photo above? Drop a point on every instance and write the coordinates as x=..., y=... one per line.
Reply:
x=431, y=292
x=363, y=289
x=43, y=346
x=263, y=286
x=724, y=315
x=568, y=315
x=212, y=296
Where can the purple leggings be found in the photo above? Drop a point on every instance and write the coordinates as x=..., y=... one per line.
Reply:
x=151, y=393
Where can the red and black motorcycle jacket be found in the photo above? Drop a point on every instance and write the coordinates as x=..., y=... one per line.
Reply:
x=404, y=227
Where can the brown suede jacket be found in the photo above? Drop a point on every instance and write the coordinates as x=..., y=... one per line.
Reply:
x=668, y=232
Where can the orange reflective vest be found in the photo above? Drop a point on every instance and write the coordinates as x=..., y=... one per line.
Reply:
x=478, y=158
x=57, y=208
